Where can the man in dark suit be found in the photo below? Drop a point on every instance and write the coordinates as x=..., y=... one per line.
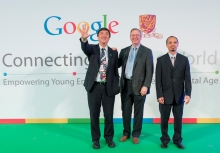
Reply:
x=173, y=86
x=136, y=76
x=101, y=83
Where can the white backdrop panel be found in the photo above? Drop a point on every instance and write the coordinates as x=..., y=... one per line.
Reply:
x=22, y=34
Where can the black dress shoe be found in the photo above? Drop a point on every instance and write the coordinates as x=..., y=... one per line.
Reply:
x=163, y=145
x=179, y=145
x=96, y=144
x=110, y=143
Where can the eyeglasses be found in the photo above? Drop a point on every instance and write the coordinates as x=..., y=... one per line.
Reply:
x=135, y=35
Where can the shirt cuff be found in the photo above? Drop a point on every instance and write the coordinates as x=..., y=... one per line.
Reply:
x=83, y=39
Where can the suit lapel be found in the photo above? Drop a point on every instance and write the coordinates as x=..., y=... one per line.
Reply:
x=177, y=61
x=110, y=54
x=138, y=56
x=110, y=58
x=126, y=54
x=168, y=61
x=98, y=53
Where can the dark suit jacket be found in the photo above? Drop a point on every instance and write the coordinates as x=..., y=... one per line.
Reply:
x=173, y=81
x=142, y=70
x=112, y=76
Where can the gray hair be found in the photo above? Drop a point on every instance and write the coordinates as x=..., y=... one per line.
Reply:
x=136, y=29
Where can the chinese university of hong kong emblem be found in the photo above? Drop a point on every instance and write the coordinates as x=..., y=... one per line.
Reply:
x=147, y=24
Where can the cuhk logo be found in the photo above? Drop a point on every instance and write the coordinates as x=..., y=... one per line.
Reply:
x=147, y=24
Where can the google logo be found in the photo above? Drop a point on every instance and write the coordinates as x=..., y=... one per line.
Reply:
x=71, y=27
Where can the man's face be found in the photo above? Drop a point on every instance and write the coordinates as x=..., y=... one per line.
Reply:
x=172, y=44
x=103, y=36
x=135, y=37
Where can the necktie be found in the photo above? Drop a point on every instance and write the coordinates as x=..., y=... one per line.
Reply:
x=172, y=60
x=103, y=66
x=130, y=64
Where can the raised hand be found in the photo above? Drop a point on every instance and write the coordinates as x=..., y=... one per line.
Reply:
x=84, y=31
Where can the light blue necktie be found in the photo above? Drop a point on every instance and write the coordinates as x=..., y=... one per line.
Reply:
x=130, y=63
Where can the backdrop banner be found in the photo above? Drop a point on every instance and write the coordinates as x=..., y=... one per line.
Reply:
x=43, y=67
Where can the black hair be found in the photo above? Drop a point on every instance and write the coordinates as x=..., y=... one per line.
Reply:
x=104, y=29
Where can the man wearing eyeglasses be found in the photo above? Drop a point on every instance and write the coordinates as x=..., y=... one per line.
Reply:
x=136, y=61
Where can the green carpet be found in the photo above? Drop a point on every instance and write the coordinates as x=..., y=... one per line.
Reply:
x=76, y=138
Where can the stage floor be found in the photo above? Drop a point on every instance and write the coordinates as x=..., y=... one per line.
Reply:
x=76, y=138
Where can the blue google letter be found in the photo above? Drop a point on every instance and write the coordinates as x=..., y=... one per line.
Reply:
x=95, y=26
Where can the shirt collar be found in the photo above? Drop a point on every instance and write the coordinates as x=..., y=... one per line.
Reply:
x=136, y=46
x=172, y=55
x=106, y=48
